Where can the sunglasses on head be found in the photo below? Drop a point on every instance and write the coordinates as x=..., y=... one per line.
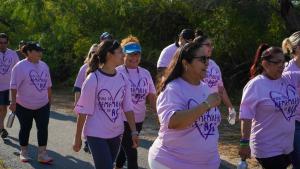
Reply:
x=203, y=59
x=114, y=46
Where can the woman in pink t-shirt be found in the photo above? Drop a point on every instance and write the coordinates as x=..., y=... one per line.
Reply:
x=31, y=98
x=79, y=81
x=105, y=98
x=269, y=104
x=189, y=119
x=214, y=76
x=142, y=88
x=291, y=46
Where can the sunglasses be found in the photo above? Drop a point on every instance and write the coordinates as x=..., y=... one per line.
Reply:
x=114, y=46
x=203, y=59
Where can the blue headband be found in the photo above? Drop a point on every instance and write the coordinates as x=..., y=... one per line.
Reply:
x=132, y=48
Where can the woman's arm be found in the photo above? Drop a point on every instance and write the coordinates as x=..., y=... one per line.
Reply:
x=245, y=151
x=77, y=141
x=185, y=118
x=152, y=101
x=131, y=121
x=12, y=106
x=50, y=95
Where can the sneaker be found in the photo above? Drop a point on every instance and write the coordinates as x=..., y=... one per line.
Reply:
x=44, y=158
x=24, y=156
x=3, y=133
x=86, y=147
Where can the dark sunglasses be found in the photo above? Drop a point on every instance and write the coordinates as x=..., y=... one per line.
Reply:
x=203, y=59
x=114, y=46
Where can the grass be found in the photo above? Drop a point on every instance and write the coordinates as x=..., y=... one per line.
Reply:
x=2, y=165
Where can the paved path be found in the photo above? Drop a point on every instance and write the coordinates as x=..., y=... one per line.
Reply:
x=61, y=132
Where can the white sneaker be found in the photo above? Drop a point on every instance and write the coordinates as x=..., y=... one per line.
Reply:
x=44, y=158
x=24, y=156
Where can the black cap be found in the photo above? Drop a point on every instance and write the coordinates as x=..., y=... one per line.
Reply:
x=187, y=34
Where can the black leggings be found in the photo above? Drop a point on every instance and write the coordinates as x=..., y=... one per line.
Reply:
x=126, y=151
x=41, y=117
x=276, y=162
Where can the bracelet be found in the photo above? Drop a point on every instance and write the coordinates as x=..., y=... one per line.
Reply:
x=208, y=105
x=134, y=133
x=244, y=142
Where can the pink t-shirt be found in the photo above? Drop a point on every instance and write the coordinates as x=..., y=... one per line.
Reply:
x=195, y=147
x=81, y=76
x=104, y=104
x=272, y=105
x=292, y=66
x=166, y=55
x=32, y=81
x=8, y=60
x=141, y=85
x=213, y=76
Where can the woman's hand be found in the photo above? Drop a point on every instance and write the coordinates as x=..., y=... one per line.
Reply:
x=135, y=141
x=12, y=106
x=77, y=144
x=214, y=99
x=245, y=152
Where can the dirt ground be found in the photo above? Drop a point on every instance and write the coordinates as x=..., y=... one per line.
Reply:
x=229, y=135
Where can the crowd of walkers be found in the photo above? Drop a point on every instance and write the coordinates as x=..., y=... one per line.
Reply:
x=111, y=91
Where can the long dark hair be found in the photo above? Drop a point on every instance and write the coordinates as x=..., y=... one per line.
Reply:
x=256, y=67
x=101, y=54
x=176, y=69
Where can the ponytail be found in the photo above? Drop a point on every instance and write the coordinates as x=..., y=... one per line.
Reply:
x=100, y=57
x=287, y=46
x=256, y=67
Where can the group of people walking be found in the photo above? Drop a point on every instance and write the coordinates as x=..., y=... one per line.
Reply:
x=111, y=91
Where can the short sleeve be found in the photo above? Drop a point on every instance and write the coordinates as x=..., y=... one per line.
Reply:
x=249, y=102
x=168, y=102
x=80, y=78
x=127, y=101
x=220, y=82
x=86, y=102
x=16, y=58
x=152, y=89
x=16, y=77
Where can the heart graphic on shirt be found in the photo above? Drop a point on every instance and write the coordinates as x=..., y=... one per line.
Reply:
x=39, y=79
x=5, y=64
x=139, y=90
x=110, y=104
x=207, y=123
x=212, y=77
x=287, y=103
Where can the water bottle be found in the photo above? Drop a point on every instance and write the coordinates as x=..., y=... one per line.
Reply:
x=232, y=116
x=242, y=164
x=10, y=120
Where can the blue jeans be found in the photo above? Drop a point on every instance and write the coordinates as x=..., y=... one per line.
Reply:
x=104, y=151
x=296, y=153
